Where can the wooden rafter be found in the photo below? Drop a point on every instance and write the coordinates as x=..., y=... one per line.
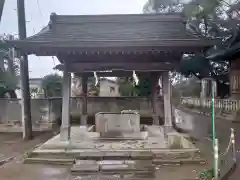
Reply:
x=120, y=66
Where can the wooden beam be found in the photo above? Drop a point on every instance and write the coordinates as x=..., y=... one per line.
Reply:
x=100, y=58
x=49, y=48
x=119, y=66
x=108, y=74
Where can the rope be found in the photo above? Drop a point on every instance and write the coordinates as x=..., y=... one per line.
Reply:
x=227, y=149
x=231, y=141
x=209, y=174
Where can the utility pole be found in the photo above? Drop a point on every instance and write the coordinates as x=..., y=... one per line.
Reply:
x=26, y=101
x=11, y=58
x=1, y=8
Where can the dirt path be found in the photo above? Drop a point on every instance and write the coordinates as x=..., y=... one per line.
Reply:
x=12, y=144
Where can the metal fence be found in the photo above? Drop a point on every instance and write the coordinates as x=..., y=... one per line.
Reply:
x=225, y=104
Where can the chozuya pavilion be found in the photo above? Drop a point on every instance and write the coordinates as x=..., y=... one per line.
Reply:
x=145, y=43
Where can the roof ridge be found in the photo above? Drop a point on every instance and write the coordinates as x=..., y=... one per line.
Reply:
x=125, y=18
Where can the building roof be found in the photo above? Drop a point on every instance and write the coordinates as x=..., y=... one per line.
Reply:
x=88, y=33
x=231, y=52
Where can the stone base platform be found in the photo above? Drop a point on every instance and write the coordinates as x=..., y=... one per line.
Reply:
x=82, y=138
x=85, y=145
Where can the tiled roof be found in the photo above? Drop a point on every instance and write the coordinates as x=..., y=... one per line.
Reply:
x=109, y=31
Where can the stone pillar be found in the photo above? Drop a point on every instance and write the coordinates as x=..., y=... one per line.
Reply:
x=214, y=83
x=66, y=126
x=154, y=96
x=84, y=102
x=167, y=101
x=204, y=88
x=235, y=79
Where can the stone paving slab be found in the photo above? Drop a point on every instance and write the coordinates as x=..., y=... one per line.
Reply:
x=82, y=162
x=111, y=162
x=116, y=167
x=78, y=168
x=141, y=155
x=85, y=166
x=116, y=155
x=139, y=162
x=96, y=155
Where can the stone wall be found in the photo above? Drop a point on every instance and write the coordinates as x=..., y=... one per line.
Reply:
x=45, y=110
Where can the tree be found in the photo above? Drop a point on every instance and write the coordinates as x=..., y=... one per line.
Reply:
x=189, y=87
x=216, y=19
x=52, y=85
x=163, y=6
x=93, y=87
x=9, y=70
x=126, y=86
x=144, y=88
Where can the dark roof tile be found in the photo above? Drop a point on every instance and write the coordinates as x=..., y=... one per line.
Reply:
x=114, y=30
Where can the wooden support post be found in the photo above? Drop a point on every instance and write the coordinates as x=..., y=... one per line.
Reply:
x=167, y=102
x=26, y=103
x=2, y=2
x=154, y=96
x=84, y=115
x=66, y=126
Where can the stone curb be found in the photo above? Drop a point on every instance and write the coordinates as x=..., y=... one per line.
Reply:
x=73, y=151
x=178, y=162
x=49, y=161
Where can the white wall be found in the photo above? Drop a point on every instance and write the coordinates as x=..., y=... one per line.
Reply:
x=108, y=88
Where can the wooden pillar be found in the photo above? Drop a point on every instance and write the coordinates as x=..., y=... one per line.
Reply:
x=84, y=115
x=235, y=79
x=66, y=126
x=154, y=96
x=167, y=101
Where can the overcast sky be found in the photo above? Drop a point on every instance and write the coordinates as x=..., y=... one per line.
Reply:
x=37, y=16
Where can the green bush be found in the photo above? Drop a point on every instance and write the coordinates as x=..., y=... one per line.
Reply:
x=190, y=106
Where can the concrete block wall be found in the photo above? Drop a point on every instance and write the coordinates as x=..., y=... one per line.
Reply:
x=47, y=110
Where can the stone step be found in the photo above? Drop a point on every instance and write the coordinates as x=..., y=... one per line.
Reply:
x=142, y=167
x=54, y=161
x=178, y=161
x=101, y=176
x=121, y=155
x=85, y=167
x=176, y=155
x=54, y=154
